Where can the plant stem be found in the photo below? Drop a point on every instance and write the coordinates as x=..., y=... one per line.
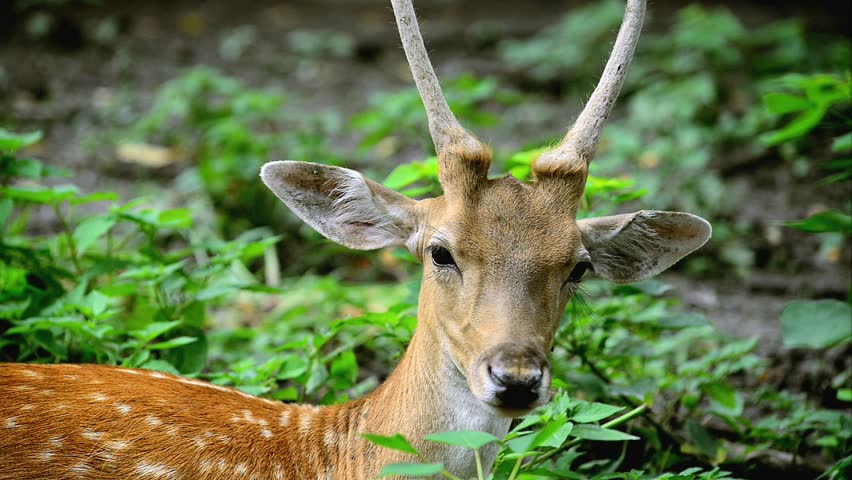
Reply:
x=449, y=475
x=516, y=468
x=72, y=245
x=478, y=464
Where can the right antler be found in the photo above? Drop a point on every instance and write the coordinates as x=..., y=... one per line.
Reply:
x=577, y=149
x=443, y=125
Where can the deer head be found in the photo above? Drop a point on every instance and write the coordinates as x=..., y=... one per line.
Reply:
x=501, y=257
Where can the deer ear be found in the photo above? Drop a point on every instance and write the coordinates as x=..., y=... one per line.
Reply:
x=636, y=246
x=342, y=204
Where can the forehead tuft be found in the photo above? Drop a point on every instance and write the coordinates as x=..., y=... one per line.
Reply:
x=516, y=221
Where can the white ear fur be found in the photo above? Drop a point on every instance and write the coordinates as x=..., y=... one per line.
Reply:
x=342, y=204
x=636, y=246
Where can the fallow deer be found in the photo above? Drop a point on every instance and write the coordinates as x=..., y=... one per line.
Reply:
x=500, y=260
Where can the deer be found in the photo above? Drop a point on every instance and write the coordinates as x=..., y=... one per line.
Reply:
x=501, y=258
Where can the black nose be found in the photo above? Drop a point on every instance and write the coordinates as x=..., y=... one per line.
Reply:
x=517, y=388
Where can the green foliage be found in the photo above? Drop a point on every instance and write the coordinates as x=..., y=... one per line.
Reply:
x=130, y=285
x=402, y=114
x=811, y=97
x=692, y=96
x=816, y=324
x=230, y=130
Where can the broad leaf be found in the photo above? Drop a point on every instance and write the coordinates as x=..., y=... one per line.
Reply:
x=816, y=324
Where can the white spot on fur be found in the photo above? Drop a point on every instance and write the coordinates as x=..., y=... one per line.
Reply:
x=56, y=442
x=23, y=388
x=241, y=469
x=117, y=445
x=279, y=473
x=172, y=430
x=27, y=407
x=45, y=456
x=330, y=438
x=155, y=470
x=30, y=373
x=305, y=422
x=153, y=421
x=47, y=393
x=266, y=433
x=11, y=422
x=284, y=418
x=206, y=465
x=98, y=397
x=199, y=442
x=72, y=377
x=82, y=470
x=122, y=407
x=91, y=435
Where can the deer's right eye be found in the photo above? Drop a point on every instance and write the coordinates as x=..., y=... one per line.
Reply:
x=441, y=257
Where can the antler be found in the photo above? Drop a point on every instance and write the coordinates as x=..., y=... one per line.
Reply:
x=578, y=147
x=443, y=125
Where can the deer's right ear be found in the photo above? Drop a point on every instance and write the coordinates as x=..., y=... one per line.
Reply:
x=342, y=204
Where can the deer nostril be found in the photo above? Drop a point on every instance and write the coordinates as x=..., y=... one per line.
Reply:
x=531, y=379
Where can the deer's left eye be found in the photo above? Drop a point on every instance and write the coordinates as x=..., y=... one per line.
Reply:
x=441, y=257
x=579, y=270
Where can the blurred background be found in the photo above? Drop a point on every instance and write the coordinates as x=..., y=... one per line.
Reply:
x=136, y=231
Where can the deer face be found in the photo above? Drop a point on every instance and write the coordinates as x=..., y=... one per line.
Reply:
x=497, y=273
x=501, y=257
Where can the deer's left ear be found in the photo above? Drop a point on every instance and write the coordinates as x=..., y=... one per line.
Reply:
x=343, y=205
x=636, y=246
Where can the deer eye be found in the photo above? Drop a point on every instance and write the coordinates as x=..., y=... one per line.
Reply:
x=441, y=257
x=579, y=270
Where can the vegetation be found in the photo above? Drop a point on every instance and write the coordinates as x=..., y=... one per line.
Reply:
x=647, y=388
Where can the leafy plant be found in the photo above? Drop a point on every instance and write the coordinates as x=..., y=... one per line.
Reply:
x=130, y=285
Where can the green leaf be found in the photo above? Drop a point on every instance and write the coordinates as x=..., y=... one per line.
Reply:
x=842, y=143
x=402, y=176
x=463, y=438
x=95, y=197
x=828, y=221
x=815, y=324
x=37, y=194
x=798, y=128
x=587, y=412
x=172, y=343
x=594, y=432
x=844, y=394
x=412, y=469
x=395, y=442
x=781, y=103
x=160, y=366
x=12, y=142
x=292, y=367
x=725, y=397
x=90, y=230
x=175, y=218
x=703, y=439
x=154, y=330
x=684, y=320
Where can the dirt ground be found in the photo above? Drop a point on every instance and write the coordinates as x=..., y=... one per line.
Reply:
x=57, y=82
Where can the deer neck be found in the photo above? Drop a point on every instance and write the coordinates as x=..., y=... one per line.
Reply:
x=427, y=394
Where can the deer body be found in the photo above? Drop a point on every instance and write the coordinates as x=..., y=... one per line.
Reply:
x=501, y=258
